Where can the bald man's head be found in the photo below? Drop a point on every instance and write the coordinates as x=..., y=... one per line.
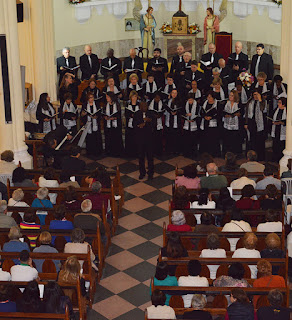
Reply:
x=212, y=48
x=88, y=50
x=221, y=63
x=132, y=53
x=180, y=50
x=212, y=168
x=238, y=47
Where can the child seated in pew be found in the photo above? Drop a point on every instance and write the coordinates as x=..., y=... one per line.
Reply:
x=178, y=220
x=159, y=309
x=42, y=202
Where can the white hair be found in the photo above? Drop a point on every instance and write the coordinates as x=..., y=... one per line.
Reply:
x=3, y=206
x=42, y=193
x=86, y=205
x=65, y=49
x=17, y=195
x=216, y=69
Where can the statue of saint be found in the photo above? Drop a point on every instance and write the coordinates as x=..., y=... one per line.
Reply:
x=211, y=26
x=147, y=25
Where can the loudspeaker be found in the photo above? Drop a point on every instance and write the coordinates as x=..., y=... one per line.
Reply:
x=19, y=7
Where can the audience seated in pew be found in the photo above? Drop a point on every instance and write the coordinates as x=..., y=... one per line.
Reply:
x=224, y=201
x=24, y=271
x=198, y=303
x=19, y=178
x=213, y=180
x=41, y=201
x=7, y=164
x=30, y=300
x=189, y=179
x=272, y=223
x=178, y=222
x=240, y=307
x=5, y=220
x=66, y=181
x=268, y=179
x=247, y=200
x=16, y=200
x=252, y=165
x=205, y=159
x=204, y=202
x=271, y=201
x=159, y=309
x=96, y=197
x=162, y=278
x=30, y=223
x=288, y=173
x=230, y=163
x=6, y=296
x=180, y=199
x=207, y=224
x=99, y=174
x=71, y=201
x=242, y=181
x=49, y=180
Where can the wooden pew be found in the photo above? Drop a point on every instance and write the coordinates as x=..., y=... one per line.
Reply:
x=181, y=311
x=34, y=316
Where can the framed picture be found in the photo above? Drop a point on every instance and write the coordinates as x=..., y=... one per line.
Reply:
x=131, y=24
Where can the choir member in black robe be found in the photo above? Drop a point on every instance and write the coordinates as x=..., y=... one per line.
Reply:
x=194, y=74
x=255, y=123
x=158, y=67
x=278, y=131
x=242, y=93
x=232, y=123
x=133, y=85
x=197, y=92
x=225, y=74
x=278, y=90
x=69, y=114
x=191, y=124
x=45, y=114
x=170, y=85
x=181, y=70
x=65, y=64
x=91, y=116
x=173, y=123
x=209, y=61
x=113, y=126
x=110, y=86
x=133, y=64
x=177, y=60
x=68, y=84
x=237, y=61
x=150, y=88
x=157, y=108
x=220, y=96
x=92, y=88
x=130, y=140
x=111, y=67
x=209, y=141
x=89, y=64
x=262, y=62
x=143, y=131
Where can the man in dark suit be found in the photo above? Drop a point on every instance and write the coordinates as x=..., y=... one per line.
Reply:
x=133, y=64
x=73, y=163
x=194, y=74
x=176, y=63
x=111, y=66
x=209, y=61
x=65, y=63
x=158, y=67
x=237, y=61
x=225, y=74
x=262, y=62
x=89, y=64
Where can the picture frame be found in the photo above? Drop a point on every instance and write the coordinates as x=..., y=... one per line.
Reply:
x=132, y=24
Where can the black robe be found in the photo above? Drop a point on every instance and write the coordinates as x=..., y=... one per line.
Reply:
x=86, y=69
x=159, y=76
x=115, y=69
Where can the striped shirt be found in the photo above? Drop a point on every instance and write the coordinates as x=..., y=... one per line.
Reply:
x=31, y=226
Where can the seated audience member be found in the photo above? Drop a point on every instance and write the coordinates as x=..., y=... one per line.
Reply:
x=207, y=224
x=24, y=271
x=272, y=223
x=48, y=180
x=7, y=164
x=192, y=280
x=268, y=179
x=224, y=201
x=271, y=201
x=60, y=222
x=99, y=174
x=205, y=159
x=55, y=300
x=29, y=223
x=42, y=202
x=19, y=178
x=241, y=182
x=235, y=277
x=45, y=240
x=180, y=199
x=16, y=200
x=5, y=220
x=178, y=220
x=6, y=295
x=78, y=245
x=250, y=242
x=204, y=202
x=213, y=180
x=72, y=163
x=71, y=271
x=240, y=307
x=273, y=250
x=97, y=198
x=266, y=279
x=288, y=173
x=159, y=309
x=3, y=191
x=71, y=201
x=252, y=165
x=275, y=310
x=189, y=179
x=198, y=303
x=237, y=224
x=14, y=244
x=30, y=301
x=230, y=163
x=66, y=181
x=247, y=201
x=162, y=278
x=213, y=251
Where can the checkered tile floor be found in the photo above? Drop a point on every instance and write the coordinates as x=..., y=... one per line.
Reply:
x=123, y=292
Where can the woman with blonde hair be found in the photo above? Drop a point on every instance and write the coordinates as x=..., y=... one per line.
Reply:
x=249, y=251
x=133, y=85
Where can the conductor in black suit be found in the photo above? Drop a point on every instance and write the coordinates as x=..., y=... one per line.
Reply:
x=89, y=64
x=262, y=62
x=237, y=61
x=65, y=62
x=111, y=66
x=209, y=61
x=134, y=63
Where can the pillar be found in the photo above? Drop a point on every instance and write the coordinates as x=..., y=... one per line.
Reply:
x=12, y=134
x=286, y=49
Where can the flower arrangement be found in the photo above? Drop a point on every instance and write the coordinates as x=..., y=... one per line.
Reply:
x=166, y=28
x=246, y=78
x=278, y=2
x=76, y=1
x=194, y=28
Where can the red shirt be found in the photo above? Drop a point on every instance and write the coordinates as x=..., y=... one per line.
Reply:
x=247, y=203
x=181, y=228
x=97, y=200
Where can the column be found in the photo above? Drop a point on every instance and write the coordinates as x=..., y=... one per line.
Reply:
x=286, y=47
x=12, y=134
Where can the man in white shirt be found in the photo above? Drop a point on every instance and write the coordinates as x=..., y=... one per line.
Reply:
x=192, y=280
x=268, y=179
x=159, y=310
x=252, y=165
x=24, y=271
x=242, y=181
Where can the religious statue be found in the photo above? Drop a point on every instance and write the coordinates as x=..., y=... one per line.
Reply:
x=147, y=25
x=211, y=26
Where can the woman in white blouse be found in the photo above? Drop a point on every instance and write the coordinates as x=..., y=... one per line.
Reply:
x=159, y=310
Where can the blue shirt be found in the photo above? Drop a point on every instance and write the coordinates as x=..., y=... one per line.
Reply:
x=61, y=225
x=15, y=246
x=39, y=262
x=45, y=204
x=170, y=281
x=9, y=306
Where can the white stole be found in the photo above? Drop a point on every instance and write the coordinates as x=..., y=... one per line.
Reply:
x=67, y=122
x=233, y=122
x=198, y=93
x=111, y=123
x=276, y=93
x=167, y=117
x=159, y=125
x=283, y=128
x=93, y=122
x=192, y=126
x=222, y=94
x=50, y=125
x=212, y=122
x=255, y=111
x=154, y=87
x=116, y=91
x=130, y=121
